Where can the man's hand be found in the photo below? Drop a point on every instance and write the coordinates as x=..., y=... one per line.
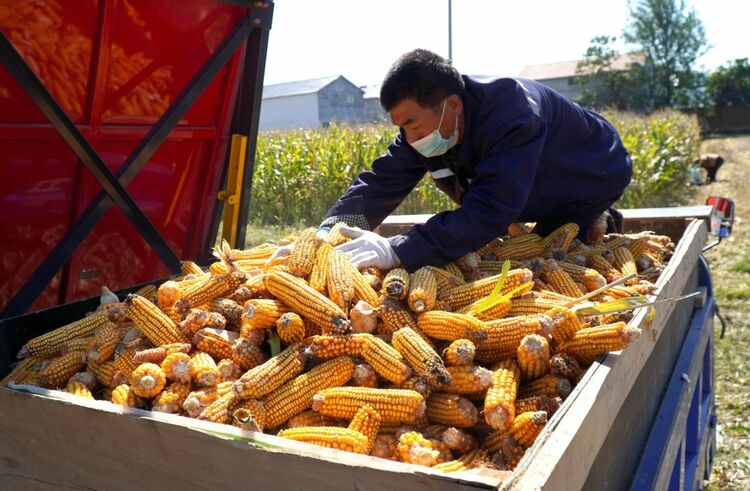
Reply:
x=368, y=249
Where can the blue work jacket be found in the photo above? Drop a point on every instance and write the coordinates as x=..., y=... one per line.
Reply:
x=527, y=154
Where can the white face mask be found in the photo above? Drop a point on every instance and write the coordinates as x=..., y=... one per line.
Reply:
x=434, y=144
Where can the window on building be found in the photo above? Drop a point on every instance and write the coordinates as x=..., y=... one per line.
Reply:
x=350, y=98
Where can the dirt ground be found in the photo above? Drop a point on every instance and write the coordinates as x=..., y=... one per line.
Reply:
x=730, y=264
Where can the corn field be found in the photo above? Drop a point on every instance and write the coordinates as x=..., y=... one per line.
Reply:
x=299, y=174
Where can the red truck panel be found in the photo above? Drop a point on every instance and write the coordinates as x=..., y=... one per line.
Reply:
x=114, y=67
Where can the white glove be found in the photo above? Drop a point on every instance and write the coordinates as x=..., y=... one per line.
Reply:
x=368, y=249
x=285, y=250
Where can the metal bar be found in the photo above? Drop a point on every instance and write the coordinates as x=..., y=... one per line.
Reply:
x=15, y=64
x=129, y=169
x=255, y=64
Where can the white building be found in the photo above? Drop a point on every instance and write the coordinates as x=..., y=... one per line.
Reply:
x=311, y=103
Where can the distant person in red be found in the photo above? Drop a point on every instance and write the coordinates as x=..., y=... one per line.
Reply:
x=711, y=162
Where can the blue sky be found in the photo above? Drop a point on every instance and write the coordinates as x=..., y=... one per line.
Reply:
x=360, y=39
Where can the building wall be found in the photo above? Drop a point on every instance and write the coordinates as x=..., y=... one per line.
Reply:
x=340, y=101
x=295, y=111
x=373, y=111
x=566, y=86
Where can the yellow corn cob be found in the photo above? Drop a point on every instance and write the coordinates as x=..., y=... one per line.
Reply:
x=445, y=281
x=417, y=384
x=590, y=278
x=458, y=440
x=422, y=290
x=505, y=335
x=319, y=275
x=497, y=311
x=565, y=324
x=302, y=257
x=124, y=361
x=171, y=399
x=176, y=367
x=604, y=267
x=518, y=228
x=247, y=354
x=393, y=405
x=261, y=251
x=203, y=370
x=340, y=280
x=363, y=290
x=450, y=326
x=451, y=410
x=396, y=284
x=261, y=314
x=325, y=347
x=625, y=263
x=247, y=266
x=169, y=293
x=153, y=323
x=454, y=270
x=364, y=376
x=527, y=426
x=147, y=291
x=561, y=238
x=366, y=421
x=266, y=378
x=521, y=247
x=386, y=360
x=395, y=316
x=195, y=320
x=620, y=291
x=329, y=436
x=559, y=280
x=467, y=461
x=103, y=372
x=460, y=352
x=207, y=288
x=147, y=380
x=614, y=241
x=549, y=385
x=291, y=328
x=104, y=342
x=22, y=371
x=468, y=379
x=296, y=395
x=49, y=345
x=565, y=365
x=533, y=357
x=221, y=409
x=78, y=344
x=335, y=237
x=311, y=418
x=158, y=354
x=307, y=302
x=250, y=415
x=215, y=342
x=61, y=368
x=124, y=395
x=229, y=370
x=420, y=355
x=414, y=448
x=538, y=403
x=532, y=303
x=198, y=400
x=78, y=389
x=463, y=295
x=590, y=342
x=500, y=402
x=375, y=283
x=189, y=267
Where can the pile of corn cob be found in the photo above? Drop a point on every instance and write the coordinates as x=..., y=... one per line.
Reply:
x=448, y=367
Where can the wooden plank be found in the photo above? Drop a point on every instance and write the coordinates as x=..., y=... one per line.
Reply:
x=566, y=449
x=669, y=220
x=76, y=443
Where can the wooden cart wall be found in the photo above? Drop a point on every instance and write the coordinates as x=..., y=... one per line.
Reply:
x=52, y=441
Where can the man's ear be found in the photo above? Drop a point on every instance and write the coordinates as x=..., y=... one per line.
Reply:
x=455, y=103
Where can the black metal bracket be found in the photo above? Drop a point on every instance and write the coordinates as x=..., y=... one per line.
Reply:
x=115, y=183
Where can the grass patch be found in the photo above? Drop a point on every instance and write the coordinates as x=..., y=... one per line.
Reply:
x=742, y=266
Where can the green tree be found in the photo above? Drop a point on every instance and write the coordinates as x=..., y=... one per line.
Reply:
x=604, y=84
x=673, y=38
x=730, y=85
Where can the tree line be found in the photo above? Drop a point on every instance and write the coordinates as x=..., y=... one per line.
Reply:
x=660, y=71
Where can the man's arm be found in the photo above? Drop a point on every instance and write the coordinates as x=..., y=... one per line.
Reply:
x=498, y=194
x=376, y=193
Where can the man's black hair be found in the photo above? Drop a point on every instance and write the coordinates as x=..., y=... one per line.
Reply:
x=422, y=76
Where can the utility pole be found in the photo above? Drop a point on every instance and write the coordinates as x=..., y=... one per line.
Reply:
x=450, y=31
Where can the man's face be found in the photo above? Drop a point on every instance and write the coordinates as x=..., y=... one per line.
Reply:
x=418, y=122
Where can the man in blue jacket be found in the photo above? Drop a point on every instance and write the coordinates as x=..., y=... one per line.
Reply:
x=506, y=150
